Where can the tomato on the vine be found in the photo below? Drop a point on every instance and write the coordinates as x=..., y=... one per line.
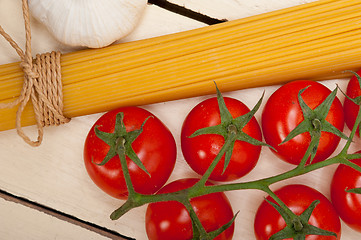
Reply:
x=298, y=198
x=347, y=204
x=201, y=150
x=155, y=147
x=171, y=220
x=282, y=113
x=350, y=108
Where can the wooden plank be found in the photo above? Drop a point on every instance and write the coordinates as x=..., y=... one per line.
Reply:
x=235, y=9
x=53, y=174
x=13, y=204
x=20, y=222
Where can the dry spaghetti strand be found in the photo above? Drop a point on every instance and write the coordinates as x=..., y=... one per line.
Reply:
x=314, y=41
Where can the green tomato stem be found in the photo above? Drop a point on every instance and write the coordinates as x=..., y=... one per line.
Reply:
x=183, y=196
x=353, y=131
x=120, y=148
x=229, y=141
x=278, y=201
x=198, y=230
x=263, y=184
x=199, y=189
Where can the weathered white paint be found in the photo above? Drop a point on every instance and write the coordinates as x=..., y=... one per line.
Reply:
x=53, y=174
x=23, y=223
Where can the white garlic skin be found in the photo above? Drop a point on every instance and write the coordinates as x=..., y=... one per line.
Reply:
x=88, y=23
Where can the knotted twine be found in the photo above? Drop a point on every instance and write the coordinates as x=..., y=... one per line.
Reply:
x=42, y=83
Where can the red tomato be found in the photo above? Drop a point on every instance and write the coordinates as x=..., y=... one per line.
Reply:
x=171, y=220
x=348, y=205
x=282, y=113
x=350, y=108
x=297, y=197
x=155, y=147
x=200, y=151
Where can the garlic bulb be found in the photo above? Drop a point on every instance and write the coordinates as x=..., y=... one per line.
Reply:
x=88, y=23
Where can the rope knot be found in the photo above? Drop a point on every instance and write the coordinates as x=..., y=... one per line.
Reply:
x=28, y=70
x=42, y=83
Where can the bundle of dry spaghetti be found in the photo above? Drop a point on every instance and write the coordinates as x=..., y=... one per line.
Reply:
x=311, y=41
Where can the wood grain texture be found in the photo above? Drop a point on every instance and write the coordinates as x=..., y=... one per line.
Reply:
x=235, y=9
x=37, y=225
x=53, y=174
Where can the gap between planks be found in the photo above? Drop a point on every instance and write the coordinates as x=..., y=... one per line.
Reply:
x=181, y=10
x=63, y=216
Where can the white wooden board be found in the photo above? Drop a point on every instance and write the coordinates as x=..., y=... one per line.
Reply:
x=23, y=223
x=235, y=9
x=53, y=174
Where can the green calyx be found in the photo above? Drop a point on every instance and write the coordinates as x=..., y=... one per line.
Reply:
x=215, y=233
x=314, y=123
x=297, y=226
x=199, y=233
x=120, y=141
x=354, y=190
x=231, y=129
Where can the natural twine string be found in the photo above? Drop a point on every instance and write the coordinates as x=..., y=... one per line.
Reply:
x=42, y=83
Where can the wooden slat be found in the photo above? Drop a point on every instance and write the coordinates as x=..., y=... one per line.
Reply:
x=233, y=9
x=53, y=175
x=24, y=223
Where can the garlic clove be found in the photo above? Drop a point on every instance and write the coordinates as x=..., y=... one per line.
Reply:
x=88, y=23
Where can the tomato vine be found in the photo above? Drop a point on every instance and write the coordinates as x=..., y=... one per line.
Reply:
x=231, y=129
